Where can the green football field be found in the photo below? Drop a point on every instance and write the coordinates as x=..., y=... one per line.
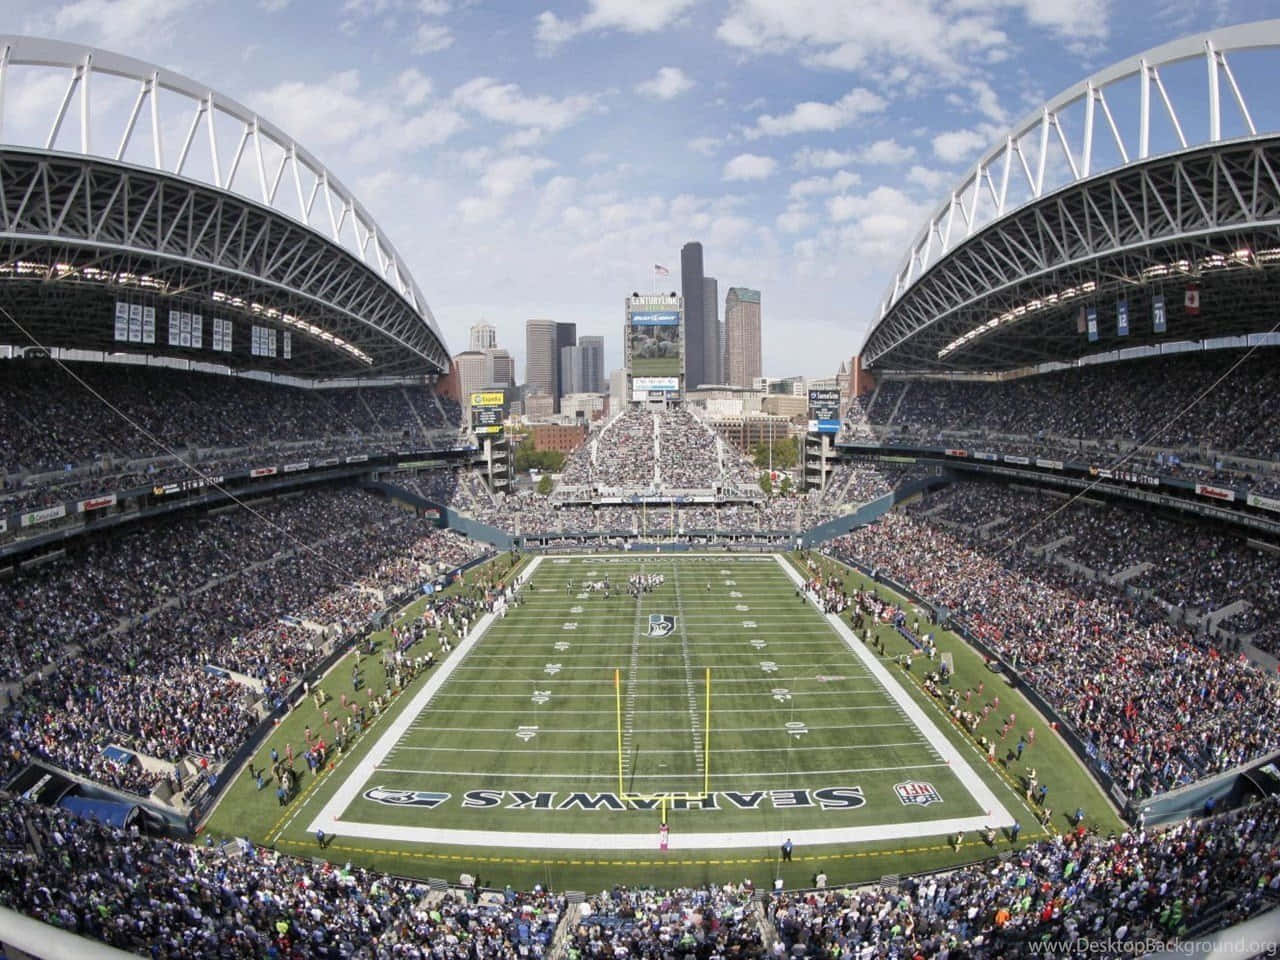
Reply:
x=586, y=717
x=445, y=780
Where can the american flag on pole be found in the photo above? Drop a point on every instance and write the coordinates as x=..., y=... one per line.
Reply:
x=660, y=270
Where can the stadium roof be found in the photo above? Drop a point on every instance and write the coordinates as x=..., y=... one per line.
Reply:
x=235, y=221
x=1034, y=240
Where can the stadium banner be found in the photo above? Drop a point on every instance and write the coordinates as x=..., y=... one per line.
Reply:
x=327, y=462
x=1122, y=318
x=175, y=328
x=148, y=324
x=135, y=323
x=1158, y=320
x=197, y=331
x=1021, y=461
x=286, y=348
x=493, y=398
x=122, y=320
x=357, y=458
x=1191, y=301
x=1049, y=464
x=957, y=453
x=96, y=503
x=263, y=472
x=185, y=485
x=1263, y=503
x=1106, y=473
x=295, y=467
x=226, y=336
x=1215, y=493
x=44, y=516
x=184, y=329
x=643, y=387
x=1091, y=323
x=985, y=455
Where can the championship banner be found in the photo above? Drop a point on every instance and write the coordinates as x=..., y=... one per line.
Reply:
x=122, y=320
x=135, y=323
x=1091, y=323
x=96, y=503
x=262, y=472
x=175, y=328
x=197, y=331
x=148, y=324
x=1215, y=493
x=1263, y=503
x=44, y=516
x=1122, y=318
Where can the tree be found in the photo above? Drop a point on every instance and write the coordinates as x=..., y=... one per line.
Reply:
x=529, y=457
x=785, y=486
x=544, y=484
x=784, y=455
x=766, y=483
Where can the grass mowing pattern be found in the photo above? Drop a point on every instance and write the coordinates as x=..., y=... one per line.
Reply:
x=532, y=711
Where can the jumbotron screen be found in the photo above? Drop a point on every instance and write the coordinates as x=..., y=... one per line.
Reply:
x=654, y=343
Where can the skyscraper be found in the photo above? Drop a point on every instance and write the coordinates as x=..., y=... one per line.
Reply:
x=541, y=358
x=475, y=372
x=483, y=337
x=695, y=334
x=592, y=365
x=566, y=336
x=570, y=370
x=711, y=319
x=742, y=333
x=504, y=367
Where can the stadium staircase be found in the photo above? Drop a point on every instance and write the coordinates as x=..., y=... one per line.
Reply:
x=893, y=415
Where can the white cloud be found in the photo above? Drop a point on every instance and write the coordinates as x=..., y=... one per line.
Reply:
x=931, y=180
x=273, y=6
x=123, y=24
x=942, y=36
x=502, y=180
x=886, y=153
x=628, y=16
x=956, y=145
x=795, y=220
x=505, y=103
x=818, y=186
x=814, y=117
x=431, y=38
x=879, y=223
x=749, y=166
x=341, y=112
x=808, y=158
x=706, y=146
x=667, y=84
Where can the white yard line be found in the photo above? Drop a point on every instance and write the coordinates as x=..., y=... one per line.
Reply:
x=997, y=815
x=595, y=777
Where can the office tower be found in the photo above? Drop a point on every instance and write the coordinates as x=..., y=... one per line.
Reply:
x=592, y=365
x=711, y=320
x=504, y=366
x=742, y=330
x=483, y=337
x=541, y=357
x=475, y=373
x=695, y=335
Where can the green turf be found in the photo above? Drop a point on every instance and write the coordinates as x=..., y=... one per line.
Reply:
x=491, y=695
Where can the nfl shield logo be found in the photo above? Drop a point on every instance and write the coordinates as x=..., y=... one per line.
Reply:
x=661, y=624
x=917, y=793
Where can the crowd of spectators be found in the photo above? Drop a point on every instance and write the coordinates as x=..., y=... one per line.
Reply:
x=701, y=922
x=1099, y=412
x=1132, y=892
x=134, y=641
x=1158, y=705
x=170, y=900
x=61, y=444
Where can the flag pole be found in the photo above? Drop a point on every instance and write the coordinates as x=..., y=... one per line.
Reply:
x=617, y=696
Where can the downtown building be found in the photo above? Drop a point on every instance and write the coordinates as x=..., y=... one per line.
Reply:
x=742, y=336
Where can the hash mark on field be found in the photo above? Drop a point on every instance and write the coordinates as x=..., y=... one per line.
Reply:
x=695, y=725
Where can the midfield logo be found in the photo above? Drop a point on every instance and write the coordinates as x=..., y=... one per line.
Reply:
x=917, y=793
x=406, y=798
x=661, y=624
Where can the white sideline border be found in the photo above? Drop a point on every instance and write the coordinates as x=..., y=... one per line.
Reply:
x=361, y=775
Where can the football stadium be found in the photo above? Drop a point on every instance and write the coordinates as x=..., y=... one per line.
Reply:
x=298, y=663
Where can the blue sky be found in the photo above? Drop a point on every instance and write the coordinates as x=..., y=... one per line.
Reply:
x=536, y=159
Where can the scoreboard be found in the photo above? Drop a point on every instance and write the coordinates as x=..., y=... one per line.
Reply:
x=486, y=413
x=824, y=411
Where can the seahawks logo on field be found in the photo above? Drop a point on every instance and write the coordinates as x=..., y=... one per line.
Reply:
x=406, y=798
x=661, y=624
